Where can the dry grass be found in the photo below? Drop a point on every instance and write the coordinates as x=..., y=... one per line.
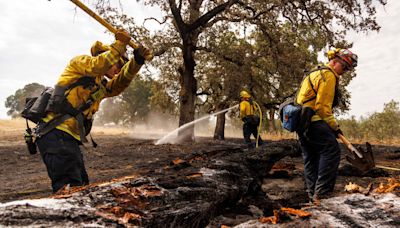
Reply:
x=16, y=127
x=12, y=125
x=288, y=135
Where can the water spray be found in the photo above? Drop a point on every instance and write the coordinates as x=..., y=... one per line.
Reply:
x=167, y=138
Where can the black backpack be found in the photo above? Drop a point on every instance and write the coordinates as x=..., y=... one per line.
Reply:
x=35, y=107
x=55, y=100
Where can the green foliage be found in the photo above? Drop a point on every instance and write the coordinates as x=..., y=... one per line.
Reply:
x=132, y=105
x=15, y=103
x=161, y=101
x=135, y=103
x=383, y=125
x=136, y=100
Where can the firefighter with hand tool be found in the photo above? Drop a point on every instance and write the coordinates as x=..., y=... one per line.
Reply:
x=321, y=152
x=77, y=95
x=251, y=120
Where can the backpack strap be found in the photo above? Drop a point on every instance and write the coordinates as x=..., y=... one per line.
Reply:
x=318, y=68
x=86, y=82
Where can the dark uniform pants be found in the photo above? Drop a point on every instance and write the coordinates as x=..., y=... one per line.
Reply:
x=248, y=130
x=321, y=155
x=63, y=158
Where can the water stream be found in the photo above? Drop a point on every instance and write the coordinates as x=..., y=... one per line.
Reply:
x=170, y=137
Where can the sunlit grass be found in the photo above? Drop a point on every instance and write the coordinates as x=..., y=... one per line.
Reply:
x=17, y=127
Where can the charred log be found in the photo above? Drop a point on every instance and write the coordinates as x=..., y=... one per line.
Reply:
x=185, y=192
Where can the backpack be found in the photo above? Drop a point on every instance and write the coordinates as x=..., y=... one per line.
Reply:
x=55, y=100
x=289, y=112
x=35, y=107
x=295, y=117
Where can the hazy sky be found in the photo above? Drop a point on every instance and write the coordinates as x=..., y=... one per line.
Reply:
x=39, y=37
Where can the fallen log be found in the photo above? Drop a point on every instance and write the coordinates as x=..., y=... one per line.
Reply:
x=184, y=192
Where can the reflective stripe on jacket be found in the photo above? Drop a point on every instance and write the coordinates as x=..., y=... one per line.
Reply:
x=247, y=109
x=324, y=82
x=96, y=67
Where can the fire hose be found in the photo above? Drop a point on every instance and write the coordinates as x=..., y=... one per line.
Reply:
x=260, y=124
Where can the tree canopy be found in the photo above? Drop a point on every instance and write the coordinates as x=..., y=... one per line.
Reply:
x=206, y=51
x=266, y=44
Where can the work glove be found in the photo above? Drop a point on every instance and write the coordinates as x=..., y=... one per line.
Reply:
x=123, y=36
x=337, y=132
x=140, y=54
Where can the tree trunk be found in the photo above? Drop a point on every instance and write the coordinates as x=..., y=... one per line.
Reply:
x=272, y=126
x=219, y=132
x=188, y=87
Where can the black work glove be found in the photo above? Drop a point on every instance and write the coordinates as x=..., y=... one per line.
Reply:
x=337, y=132
x=140, y=54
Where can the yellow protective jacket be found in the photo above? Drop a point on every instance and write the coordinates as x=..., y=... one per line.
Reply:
x=247, y=109
x=96, y=67
x=324, y=82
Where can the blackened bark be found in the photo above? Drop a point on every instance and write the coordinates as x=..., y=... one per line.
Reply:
x=186, y=192
x=188, y=86
x=272, y=126
x=219, y=132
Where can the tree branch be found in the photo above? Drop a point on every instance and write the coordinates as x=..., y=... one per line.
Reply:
x=203, y=20
x=177, y=16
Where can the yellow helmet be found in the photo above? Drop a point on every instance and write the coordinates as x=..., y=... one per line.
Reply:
x=244, y=94
x=332, y=53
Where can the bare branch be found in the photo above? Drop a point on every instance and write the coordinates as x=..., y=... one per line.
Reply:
x=155, y=19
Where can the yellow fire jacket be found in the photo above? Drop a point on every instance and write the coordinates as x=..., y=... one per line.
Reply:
x=96, y=67
x=246, y=109
x=324, y=82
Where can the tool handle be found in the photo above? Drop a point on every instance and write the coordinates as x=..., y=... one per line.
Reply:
x=260, y=124
x=386, y=167
x=349, y=146
x=104, y=23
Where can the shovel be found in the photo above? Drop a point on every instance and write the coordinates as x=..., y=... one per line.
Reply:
x=363, y=160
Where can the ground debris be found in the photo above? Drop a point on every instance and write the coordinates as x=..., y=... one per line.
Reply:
x=271, y=219
x=355, y=188
x=392, y=185
x=284, y=214
x=348, y=210
x=298, y=213
x=189, y=194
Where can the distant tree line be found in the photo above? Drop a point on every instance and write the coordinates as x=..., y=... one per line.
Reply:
x=381, y=126
x=144, y=96
x=133, y=106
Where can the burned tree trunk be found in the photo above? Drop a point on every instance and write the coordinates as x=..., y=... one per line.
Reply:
x=272, y=126
x=189, y=29
x=188, y=86
x=187, y=193
x=219, y=132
